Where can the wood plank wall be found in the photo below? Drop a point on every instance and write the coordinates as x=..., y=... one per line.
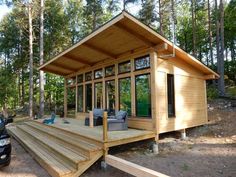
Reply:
x=190, y=96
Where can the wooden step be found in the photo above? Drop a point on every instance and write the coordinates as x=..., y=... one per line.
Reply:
x=84, y=147
x=53, y=164
x=71, y=133
x=68, y=154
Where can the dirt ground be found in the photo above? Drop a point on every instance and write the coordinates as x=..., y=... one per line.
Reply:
x=209, y=151
x=22, y=164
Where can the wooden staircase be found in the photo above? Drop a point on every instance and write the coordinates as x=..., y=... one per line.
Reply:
x=61, y=153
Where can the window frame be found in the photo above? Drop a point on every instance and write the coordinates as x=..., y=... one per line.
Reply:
x=110, y=67
x=150, y=96
x=171, y=76
x=94, y=73
x=139, y=58
x=86, y=98
x=90, y=72
x=125, y=62
x=130, y=93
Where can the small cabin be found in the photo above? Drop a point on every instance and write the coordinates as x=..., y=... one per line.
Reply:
x=126, y=65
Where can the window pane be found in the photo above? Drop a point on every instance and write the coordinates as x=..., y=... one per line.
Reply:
x=142, y=62
x=98, y=74
x=71, y=92
x=80, y=99
x=110, y=71
x=143, y=95
x=124, y=67
x=80, y=78
x=88, y=101
x=71, y=81
x=98, y=95
x=88, y=76
x=110, y=96
x=125, y=95
x=171, y=95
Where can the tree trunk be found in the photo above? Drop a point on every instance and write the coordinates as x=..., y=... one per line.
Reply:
x=221, y=84
x=209, y=32
x=30, y=62
x=22, y=88
x=194, y=26
x=41, y=73
x=160, y=17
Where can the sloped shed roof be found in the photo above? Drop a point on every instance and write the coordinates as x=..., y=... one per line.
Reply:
x=122, y=34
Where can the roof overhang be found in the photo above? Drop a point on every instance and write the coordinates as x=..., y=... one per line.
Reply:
x=121, y=35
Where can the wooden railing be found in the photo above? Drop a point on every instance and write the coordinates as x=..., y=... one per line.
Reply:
x=105, y=137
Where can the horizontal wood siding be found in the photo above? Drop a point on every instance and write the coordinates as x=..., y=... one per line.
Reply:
x=190, y=96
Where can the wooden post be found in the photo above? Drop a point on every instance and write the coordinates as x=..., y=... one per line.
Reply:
x=105, y=126
x=65, y=97
x=91, y=119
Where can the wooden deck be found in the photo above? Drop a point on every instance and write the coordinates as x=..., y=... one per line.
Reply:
x=115, y=138
x=68, y=149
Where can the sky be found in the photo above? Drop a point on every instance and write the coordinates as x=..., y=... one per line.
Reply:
x=3, y=11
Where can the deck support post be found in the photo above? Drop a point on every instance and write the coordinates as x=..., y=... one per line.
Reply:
x=104, y=165
x=65, y=98
x=155, y=147
x=183, y=134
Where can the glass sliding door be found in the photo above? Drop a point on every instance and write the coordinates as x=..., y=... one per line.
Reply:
x=143, y=95
x=110, y=96
x=80, y=99
x=88, y=98
x=125, y=94
x=98, y=95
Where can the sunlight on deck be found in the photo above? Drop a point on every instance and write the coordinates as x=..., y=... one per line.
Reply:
x=96, y=133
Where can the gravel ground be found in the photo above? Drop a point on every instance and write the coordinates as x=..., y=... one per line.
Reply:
x=209, y=151
x=22, y=164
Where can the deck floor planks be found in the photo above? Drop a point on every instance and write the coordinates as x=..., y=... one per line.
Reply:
x=114, y=137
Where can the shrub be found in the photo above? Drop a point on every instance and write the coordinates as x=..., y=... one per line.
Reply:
x=212, y=93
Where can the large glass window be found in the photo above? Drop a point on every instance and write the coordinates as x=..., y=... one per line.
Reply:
x=110, y=95
x=143, y=95
x=80, y=99
x=98, y=95
x=98, y=74
x=88, y=99
x=171, y=95
x=124, y=67
x=110, y=71
x=142, y=62
x=88, y=76
x=125, y=94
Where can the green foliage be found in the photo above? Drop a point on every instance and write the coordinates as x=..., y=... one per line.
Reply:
x=212, y=92
x=231, y=91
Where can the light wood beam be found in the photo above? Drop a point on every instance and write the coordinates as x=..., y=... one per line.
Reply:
x=209, y=77
x=161, y=47
x=131, y=168
x=100, y=50
x=77, y=59
x=65, y=67
x=134, y=34
x=54, y=71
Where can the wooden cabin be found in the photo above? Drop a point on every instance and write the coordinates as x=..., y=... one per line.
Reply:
x=126, y=65
x=123, y=65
